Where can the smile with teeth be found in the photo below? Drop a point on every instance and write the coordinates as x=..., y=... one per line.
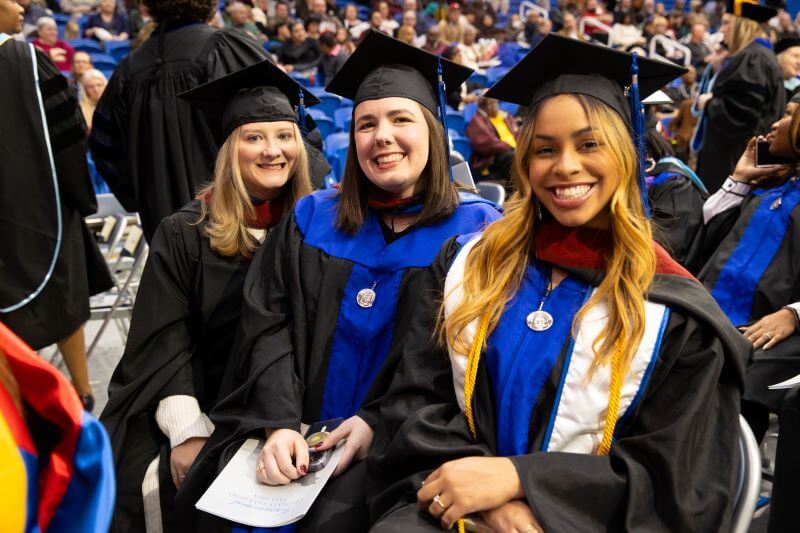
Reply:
x=270, y=166
x=572, y=192
x=388, y=158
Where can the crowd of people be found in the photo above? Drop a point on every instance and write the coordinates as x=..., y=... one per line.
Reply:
x=541, y=365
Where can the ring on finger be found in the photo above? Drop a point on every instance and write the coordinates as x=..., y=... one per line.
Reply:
x=260, y=467
x=438, y=500
x=768, y=336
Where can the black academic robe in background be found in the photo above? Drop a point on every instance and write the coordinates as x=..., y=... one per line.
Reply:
x=306, y=350
x=28, y=223
x=152, y=148
x=748, y=97
x=676, y=201
x=672, y=467
x=753, y=272
x=186, y=313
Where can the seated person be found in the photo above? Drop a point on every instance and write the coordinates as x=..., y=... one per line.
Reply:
x=301, y=53
x=581, y=380
x=493, y=136
x=752, y=224
x=109, y=24
x=48, y=42
x=239, y=17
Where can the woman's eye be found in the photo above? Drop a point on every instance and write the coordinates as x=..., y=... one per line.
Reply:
x=253, y=138
x=543, y=151
x=285, y=136
x=365, y=126
x=402, y=119
x=590, y=145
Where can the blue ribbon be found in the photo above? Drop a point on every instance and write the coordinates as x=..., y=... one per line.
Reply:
x=639, y=125
x=301, y=114
x=443, y=112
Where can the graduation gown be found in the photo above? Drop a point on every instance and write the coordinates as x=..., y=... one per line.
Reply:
x=676, y=197
x=672, y=466
x=748, y=97
x=307, y=351
x=186, y=314
x=29, y=207
x=152, y=148
x=754, y=272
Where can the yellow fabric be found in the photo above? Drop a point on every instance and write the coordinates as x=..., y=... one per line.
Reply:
x=500, y=126
x=14, y=480
x=613, y=400
x=471, y=372
x=737, y=6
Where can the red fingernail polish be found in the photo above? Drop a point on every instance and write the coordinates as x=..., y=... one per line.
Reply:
x=318, y=446
x=304, y=470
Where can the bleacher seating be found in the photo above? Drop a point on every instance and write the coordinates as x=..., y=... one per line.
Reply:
x=324, y=122
x=462, y=146
x=118, y=49
x=86, y=45
x=330, y=103
x=455, y=121
x=342, y=118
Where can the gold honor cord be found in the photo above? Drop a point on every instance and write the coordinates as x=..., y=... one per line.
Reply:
x=473, y=359
x=737, y=6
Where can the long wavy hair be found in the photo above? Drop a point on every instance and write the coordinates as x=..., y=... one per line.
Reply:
x=497, y=262
x=229, y=206
x=743, y=31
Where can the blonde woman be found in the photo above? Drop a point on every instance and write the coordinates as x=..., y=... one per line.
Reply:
x=190, y=298
x=748, y=94
x=593, y=380
x=92, y=84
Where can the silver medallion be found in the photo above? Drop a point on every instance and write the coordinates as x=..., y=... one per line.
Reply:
x=775, y=205
x=539, y=320
x=365, y=298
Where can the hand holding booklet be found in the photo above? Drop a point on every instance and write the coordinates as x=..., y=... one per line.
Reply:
x=238, y=496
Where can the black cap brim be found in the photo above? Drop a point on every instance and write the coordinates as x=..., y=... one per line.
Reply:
x=786, y=43
x=750, y=10
x=383, y=67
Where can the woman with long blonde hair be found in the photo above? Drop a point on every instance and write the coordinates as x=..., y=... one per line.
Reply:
x=189, y=301
x=747, y=96
x=594, y=380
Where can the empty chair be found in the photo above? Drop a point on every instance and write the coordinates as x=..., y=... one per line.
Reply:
x=455, y=121
x=342, y=118
x=508, y=107
x=86, y=45
x=462, y=146
x=104, y=62
x=118, y=49
x=330, y=103
x=334, y=142
x=325, y=125
x=494, y=192
x=479, y=79
x=341, y=160
x=495, y=73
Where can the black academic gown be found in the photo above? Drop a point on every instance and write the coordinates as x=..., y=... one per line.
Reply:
x=186, y=313
x=152, y=148
x=28, y=205
x=748, y=97
x=676, y=200
x=306, y=350
x=672, y=466
x=753, y=272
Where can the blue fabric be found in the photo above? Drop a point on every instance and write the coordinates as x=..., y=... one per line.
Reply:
x=31, y=463
x=362, y=336
x=763, y=42
x=283, y=529
x=520, y=360
x=88, y=503
x=685, y=172
x=738, y=279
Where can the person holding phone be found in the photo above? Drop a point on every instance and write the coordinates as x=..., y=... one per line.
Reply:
x=752, y=224
x=581, y=380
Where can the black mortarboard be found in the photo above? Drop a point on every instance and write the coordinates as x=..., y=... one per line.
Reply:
x=786, y=43
x=383, y=66
x=261, y=92
x=561, y=65
x=750, y=9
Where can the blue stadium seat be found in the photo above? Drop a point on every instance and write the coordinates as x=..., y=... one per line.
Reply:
x=330, y=103
x=462, y=146
x=341, y=160
x=495, y=73
x=509, y=108
x=455, y=121
x=86, y=45
x=342, y=118
x=469, y=112
x=325, y=125
x=272, y=46
x=118, y=49
x=479, y=79
x=103, y=62
x=83, y=21
x=334, y=142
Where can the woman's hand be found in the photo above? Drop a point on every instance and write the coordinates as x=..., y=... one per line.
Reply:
x=359, y=437
x=512, y=517
x=182, y=457
x=771, y=329
x=464, y=486
x=746, y=170
x=284, y=458
x=703, y=99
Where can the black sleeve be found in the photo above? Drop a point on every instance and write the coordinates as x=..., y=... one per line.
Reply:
x=715, y=231
x=677, y=206
x=677, y=456
x=157, y=358
x=419, y=425
x=67, y=131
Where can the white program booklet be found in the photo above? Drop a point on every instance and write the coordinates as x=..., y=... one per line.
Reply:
x=788, y=384
x=236, y=495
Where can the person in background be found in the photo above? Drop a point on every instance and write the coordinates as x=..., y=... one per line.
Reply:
x=422, y=21
x=138, y=18
x=344, y=38
x=78, y=7
x=457, y=98
x=406, y=34
x=747, y=96
x=47, y=41
x=451, y=28
x=334, y=56
x=327, y=22
x=33, y=12
x=81, y=62
x=109, y=24
x=682, y=126
x=569, y=28
x=787, y=50
x=485, y=26
x=389, y=25
x=471, y=51
x=557, y=11
x=239, y=18
x=432, y=42
x=595, y=10
x=785, y=27
x=93, y=83
x=281, y=17
x=301, y=53
x=492, y=134
x=697, y=45
x=352, y=23
x=152, y=165
x=312, y=27
x=627, y=34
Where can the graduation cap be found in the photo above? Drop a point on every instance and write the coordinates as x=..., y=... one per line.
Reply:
x=382, y=67
x=261, y=92
x=786, y=43
x=751, y=9
x=561, y=65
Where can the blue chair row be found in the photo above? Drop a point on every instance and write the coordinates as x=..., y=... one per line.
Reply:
x=115, y=49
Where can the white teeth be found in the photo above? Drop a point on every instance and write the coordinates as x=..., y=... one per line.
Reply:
x=391, y=158
x=275, y=166
x=570, y=193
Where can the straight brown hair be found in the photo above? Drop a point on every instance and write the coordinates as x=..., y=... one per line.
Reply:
x=439, y=195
